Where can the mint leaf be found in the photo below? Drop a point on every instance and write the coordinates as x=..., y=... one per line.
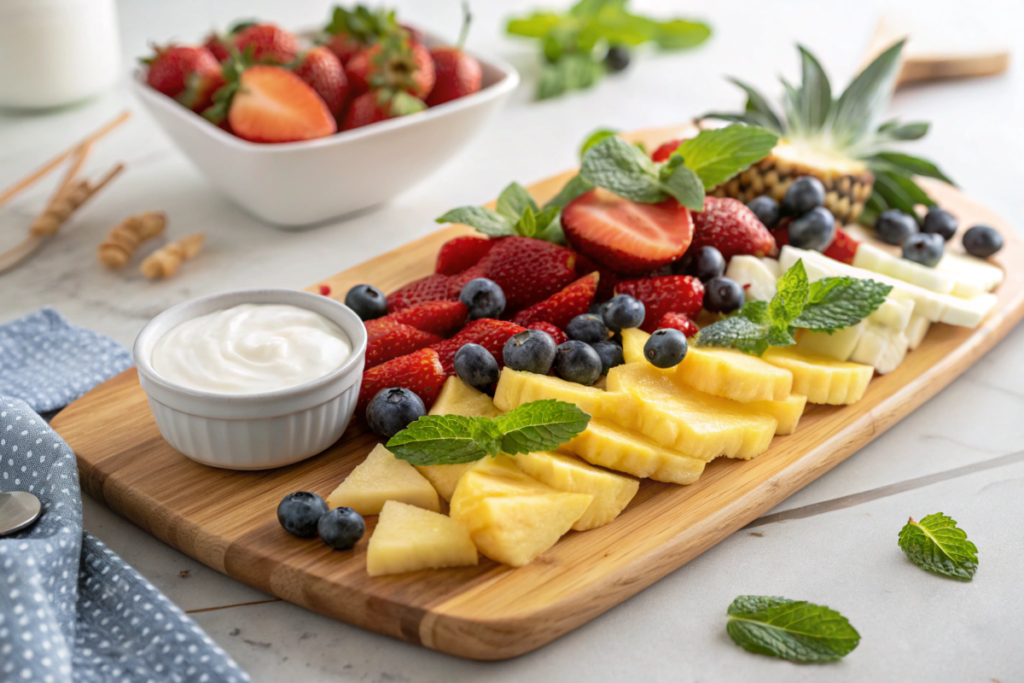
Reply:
x=540, y=426
x=679, y=34
x=791, y=294
x=573, y=189
x=596, y=137
x=737, y=332
x=795, y=630
x=841, y=302
x=683, y=183
x=937, y=545
x=757, y=312
x=446, y=440
x=719, y=154
x=780, y=335
x=513, y=201
x=484, y=220
x=616, y=165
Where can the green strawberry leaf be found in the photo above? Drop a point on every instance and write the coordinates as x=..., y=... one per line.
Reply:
x=719, y=154
x=540, y=426
x=937, y=545
x=795, y=630
x=446, y=440
x=484, y=220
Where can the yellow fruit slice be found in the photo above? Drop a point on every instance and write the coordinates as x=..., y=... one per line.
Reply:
x=380, y=478
x=787, y=413
x=408, y=538
x=733, y=374
x=606, y=444
x=513, y=518
x=633, y=340
x=516, y=388
x=612, y=492
x=820, y=378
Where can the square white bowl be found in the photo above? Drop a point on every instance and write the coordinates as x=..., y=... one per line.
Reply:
x=296, y=184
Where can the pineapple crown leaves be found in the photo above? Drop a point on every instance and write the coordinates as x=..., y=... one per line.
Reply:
x=516, y=213
x=365, y=25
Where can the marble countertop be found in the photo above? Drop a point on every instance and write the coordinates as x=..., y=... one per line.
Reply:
x=832, y=543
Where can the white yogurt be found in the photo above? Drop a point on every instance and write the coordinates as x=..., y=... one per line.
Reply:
x=251, y=348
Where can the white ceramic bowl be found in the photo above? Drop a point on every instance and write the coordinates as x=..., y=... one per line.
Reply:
x=253, y=431
x=300, y=183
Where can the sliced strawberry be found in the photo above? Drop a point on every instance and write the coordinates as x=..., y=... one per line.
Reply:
x=665, y=294
x=267, y=44
x=438, y=317
x=665, y=150
x=555, y=333
x=435, y=287
x=678, y=321
x=458, y=254
x=419, y=372
x=558, y=309
x=628, y=237
x=488, y=333
x=321, y=69
x=843, y=247
x=275, y=105
x=528, y=270
x=386, y=338
x=729, y=226
x=608, y=277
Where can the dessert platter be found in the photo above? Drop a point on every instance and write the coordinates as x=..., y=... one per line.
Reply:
x=526, y=417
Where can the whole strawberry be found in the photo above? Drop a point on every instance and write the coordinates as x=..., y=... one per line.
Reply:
x=460, y=253
x=558, y=309
x=380, y=105
x=187, y=73
x=435, y=287
x=665, y=150
x=218, y=46
x=664, y=294
x=352, y=31
x=528, y=270
x=678, y=321
x=397, y=63
x=322, y=71
x=457, y=74
x=267, y=44
x=729, y=226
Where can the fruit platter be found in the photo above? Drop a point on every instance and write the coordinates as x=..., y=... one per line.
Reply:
x=575, y=390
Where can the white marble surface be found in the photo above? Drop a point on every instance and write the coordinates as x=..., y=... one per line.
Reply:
x=960, y=453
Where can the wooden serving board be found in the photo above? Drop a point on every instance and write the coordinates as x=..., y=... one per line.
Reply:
x=227, y=519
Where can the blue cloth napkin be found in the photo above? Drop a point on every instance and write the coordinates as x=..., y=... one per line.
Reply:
x=70, y=608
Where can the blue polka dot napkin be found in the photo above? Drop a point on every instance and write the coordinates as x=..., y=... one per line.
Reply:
x=71, y=610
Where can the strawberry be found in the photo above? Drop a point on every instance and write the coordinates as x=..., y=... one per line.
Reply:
x=322, y=71
x=344, y=46
x=188, y=73
x=729, y=226
x=271, y=104
x=457, y=74
x=678, y=321
x=628, y=237
x=397, y=62
x=665, y=294
x=437, y=317
x=430, y=288
x=558, y=309
x=420, y=372
x=386, y=338
x=380, y=105
x=351, y=31
x=458, y=254
x=457, y=282
x=608, y=278
x=488, y=333
x=843, y=247
x=267, y=44
x=217, y=46
x=665, y=150
x=555, y=333
x=528, y=270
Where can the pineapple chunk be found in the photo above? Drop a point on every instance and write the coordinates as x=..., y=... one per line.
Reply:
x=606, y=444
x=733, y=374
x=513, y=518
x=408, y=538
x=380, y=478
x=839, y=345
x=612, y=492
x=822, y=379
x=633, y=340
x=687, y=420
x=516, y=388
x=787, y=413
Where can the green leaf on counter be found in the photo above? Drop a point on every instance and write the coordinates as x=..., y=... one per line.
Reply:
x=937, y=545
x=798, y=631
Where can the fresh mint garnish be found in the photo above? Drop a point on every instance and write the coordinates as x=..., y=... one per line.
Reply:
x=799, y=631
x=717, y=155
x=937, y=545
x=517, y=214
x=451, y=439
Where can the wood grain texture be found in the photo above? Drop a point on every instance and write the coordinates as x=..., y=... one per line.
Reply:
x=227, y=519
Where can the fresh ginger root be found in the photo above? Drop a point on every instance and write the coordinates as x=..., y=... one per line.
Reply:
x=126, y=236
x=165, y=261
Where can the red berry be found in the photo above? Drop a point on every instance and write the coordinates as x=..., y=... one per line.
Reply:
x=665, y=150
x=558, y=309
x=325, y=290
x=189, y=73
x=431, y=288
x=664, y=294
x=458, y=254
x=396, y=63
x=386, y=338
x=457, y=75
x=275, y=105
x=322, y=71
x=528, y=270
x=678, y=321
x=555, y=333
x=843, y=247
x=488, y=333
x=267, y=44
x=420, y=372
x=438, y=317
x=729, y=226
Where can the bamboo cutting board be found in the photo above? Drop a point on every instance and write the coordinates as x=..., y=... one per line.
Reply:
x=227, y=519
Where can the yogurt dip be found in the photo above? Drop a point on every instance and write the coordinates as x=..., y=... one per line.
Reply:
x=250, y=349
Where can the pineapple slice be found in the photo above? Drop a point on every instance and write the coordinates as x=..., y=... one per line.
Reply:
x=380, y=478
x=633, y=340
x=606, y=444
x=822, y=379
x=787, y=413
x=612, y=492
x=408, y=538
x=687, y=420
x=513, y=518
x=516, y=388
x=733, y=374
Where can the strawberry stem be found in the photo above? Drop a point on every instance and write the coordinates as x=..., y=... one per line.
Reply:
x=467, y=18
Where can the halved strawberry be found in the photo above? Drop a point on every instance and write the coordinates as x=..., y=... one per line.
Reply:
x=274, y=105
x=843, y=247
x=665, y=294
x=556, y=333
x=678, y=321
x=729, y=226
x=528, y=270
x=321, y=69
x=665, y=150
x=558, y=309
x=419, y=372
x=387, y=338
x=628, y=237
x=457, y=282
x=488, y=333
x=435, y=287
x=460, y=253
x=438, y=317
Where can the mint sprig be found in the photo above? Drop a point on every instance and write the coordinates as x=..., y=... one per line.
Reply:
x=937, y=545
x=799, y=631
x=517, y=214
x=452, y=439
x=825, y=305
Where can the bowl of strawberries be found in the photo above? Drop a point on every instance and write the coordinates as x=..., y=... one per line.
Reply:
x=300, y=128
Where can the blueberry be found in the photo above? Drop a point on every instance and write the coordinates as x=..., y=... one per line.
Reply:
x=616, y=59
x=300, y=512
x=924, y=249
x=621, y=312
x=666, y=348
x=982, y=241
x=610, y=353
x=341, y=528
x=703, y=263
x=766, y=209
x=392, y=409
x=940, y=222
x=722, y=295
x=588, y=328
x=804, y=193
x=483, y=297
x=894, y=226
x=530, y=351
x=476, y=366
x=576, y=361
x=814, y=230
x=597, y=308
x=367, y=301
